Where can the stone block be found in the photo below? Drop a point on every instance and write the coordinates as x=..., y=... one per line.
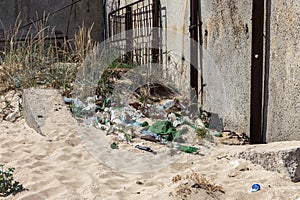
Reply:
x=282, y=157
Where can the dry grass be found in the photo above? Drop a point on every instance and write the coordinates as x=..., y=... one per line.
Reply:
x=37, y=61
x=195, y=183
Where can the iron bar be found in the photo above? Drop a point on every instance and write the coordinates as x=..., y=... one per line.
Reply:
x=155, y=40
x=194, y=47
x=129, y=40
x=256, y=135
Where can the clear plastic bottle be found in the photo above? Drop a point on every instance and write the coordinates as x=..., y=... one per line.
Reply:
x=169, y=104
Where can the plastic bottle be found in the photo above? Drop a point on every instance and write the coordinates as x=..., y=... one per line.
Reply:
x=169, y=104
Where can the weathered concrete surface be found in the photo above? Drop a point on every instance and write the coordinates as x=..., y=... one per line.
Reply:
x=67, y=21
x=227, y=61
x=46, y=112
x=282, y=157
x=283, y=121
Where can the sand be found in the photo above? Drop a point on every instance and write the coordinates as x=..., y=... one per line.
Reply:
x=64, y=167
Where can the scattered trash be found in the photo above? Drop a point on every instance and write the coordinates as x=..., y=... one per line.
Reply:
x=217, y=134
x=199, y=124
x=135, y=105
x=144, y=124
x=150, y=138
x=176, y=123
x=126, y=123
x=255, y=187
x=187, y=149
x=11, y=106
x=68, y=100
x=169, y=104
x=121, y=137
x=11, y=117
x=172, y=117
x=165, y=129
x=145, y=148
x=114, y=145
x=156, y=118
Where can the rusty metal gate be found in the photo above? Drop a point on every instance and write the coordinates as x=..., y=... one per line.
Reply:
x=140, y=22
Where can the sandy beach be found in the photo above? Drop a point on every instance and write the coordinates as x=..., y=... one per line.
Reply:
x=61, y=165
x=63, y=169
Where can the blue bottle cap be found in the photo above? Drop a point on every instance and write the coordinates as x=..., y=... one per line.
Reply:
x=255, y=187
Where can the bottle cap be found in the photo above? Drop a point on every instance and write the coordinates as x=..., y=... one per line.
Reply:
x=255, y=187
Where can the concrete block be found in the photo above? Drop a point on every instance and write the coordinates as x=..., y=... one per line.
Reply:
x=46, y=112
x=282, y=157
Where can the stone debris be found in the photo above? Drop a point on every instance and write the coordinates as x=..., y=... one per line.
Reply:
x=11, y=106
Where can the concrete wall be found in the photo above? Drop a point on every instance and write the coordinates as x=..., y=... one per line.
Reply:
x=227, y=61
x=67, y=21
x=227, y=39
x=176, y=43
x=283, y=121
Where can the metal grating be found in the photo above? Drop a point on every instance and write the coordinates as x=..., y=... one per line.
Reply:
x=140, y=20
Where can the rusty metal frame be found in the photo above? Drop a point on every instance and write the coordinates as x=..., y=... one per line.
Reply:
x=137, y=17
x=256, y=134
x=194, y=6
x=129, y=41
x=156, y=24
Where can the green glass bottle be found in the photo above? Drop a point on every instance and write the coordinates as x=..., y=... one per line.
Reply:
x=187, y=149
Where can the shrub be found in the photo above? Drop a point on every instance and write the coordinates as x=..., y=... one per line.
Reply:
x=7, y=183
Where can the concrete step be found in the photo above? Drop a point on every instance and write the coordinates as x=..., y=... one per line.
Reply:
x=282, y=157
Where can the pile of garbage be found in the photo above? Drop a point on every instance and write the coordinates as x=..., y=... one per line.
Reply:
x=154, y=112
x=163, y=123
